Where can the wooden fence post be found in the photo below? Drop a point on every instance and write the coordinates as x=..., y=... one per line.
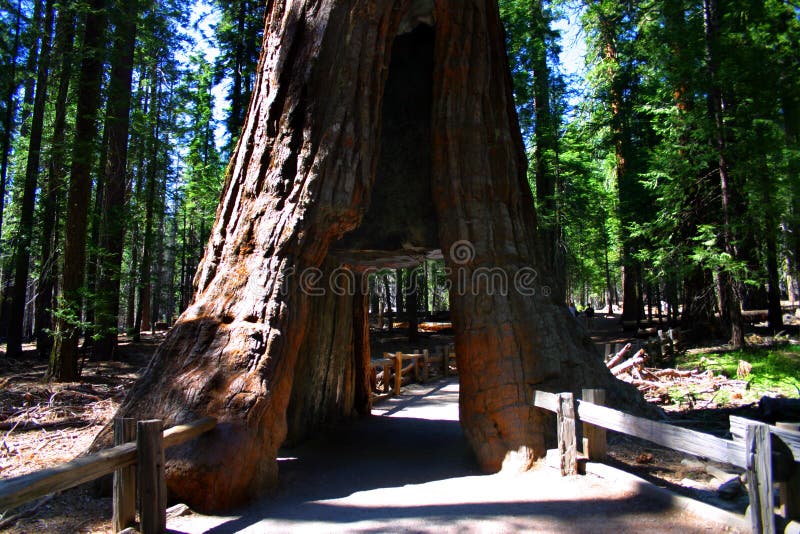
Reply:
x=386, y=373
x=124, y=496
x=398, y=372
x=426, y=363
x=790, y=490
x=758, y=456
x=152, y=483
x=567, y=448
x=594, y=437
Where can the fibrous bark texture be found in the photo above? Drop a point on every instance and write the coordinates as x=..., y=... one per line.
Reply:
x=330, y=378
x=271, y=345
x=507, y=345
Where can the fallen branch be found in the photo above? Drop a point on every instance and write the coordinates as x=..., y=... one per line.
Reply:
x=649, y=384
x=674, y=373
x=35, y=425
x=637, y=359
x=618, y=356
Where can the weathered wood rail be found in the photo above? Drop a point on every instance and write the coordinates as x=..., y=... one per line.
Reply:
x=137, y=456
x=414, y=367
x=751, y=449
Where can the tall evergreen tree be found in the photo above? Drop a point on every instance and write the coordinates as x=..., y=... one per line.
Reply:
x=53, y=186
x=9, y=85
x=64, y=357
x=124, y=16
x=24, y=238
x=238, y=37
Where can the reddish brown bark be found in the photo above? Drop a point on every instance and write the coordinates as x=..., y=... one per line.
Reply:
x=329, y=379
x=301, y=178
x=507, y=346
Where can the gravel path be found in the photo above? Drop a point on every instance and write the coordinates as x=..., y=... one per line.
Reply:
x=408, y=469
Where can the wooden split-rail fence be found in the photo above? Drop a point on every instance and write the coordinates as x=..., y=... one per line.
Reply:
x=768, y=454
x=395, y=370
x=137, y=461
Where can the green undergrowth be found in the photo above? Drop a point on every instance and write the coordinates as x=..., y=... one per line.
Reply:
x=776, y=369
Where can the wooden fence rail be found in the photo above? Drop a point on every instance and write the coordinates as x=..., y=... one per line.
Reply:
x=147, y=453
x=750, y=450
x=413, y=367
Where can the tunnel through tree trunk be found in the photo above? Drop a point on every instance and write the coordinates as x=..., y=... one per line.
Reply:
x=300, y=179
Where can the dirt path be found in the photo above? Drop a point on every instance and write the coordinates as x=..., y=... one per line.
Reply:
x=408, y=469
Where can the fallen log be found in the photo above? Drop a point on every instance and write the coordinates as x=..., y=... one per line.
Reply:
x=637, y=359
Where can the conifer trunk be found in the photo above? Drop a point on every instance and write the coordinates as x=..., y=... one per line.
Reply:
x=730, y=301
x=51, y=204
x=24, y=238
x=64, y=358
x=112, y=216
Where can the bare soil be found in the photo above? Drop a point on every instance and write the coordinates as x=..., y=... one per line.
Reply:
x=43, y=424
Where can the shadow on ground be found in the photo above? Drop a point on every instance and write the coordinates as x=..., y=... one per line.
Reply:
x=409, y=469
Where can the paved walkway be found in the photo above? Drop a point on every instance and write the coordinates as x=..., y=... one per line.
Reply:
x=408, y=469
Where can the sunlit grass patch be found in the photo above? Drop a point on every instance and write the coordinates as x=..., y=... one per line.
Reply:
x=775, y=370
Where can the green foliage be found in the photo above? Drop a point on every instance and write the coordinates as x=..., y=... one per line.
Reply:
x=775, y=369
x=625, y=174
x=530, y=38
x=238, y=36
x=645, y=136
x=203, y=171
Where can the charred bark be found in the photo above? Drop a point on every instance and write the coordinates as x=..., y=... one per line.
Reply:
x=328, y=380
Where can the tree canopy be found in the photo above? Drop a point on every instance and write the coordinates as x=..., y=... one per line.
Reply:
x=665, y=179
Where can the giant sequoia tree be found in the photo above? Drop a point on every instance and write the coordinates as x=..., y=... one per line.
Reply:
x=324, y=147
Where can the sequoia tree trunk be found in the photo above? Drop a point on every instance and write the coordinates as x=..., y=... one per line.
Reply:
x=300, y=178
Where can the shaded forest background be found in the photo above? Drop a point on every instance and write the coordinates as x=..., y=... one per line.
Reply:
x=665, y=178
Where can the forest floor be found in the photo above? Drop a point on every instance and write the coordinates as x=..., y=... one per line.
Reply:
x=43, y=424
